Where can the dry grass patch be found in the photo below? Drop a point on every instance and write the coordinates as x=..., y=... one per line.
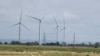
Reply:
x=48, y=53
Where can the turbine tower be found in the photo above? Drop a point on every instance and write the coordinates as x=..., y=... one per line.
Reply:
x=39, y=26
x=19, y=25
x=57, y=27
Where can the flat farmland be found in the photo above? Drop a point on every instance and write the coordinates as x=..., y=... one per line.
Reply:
x=21, y=50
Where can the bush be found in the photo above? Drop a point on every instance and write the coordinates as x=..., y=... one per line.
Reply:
x=5, y=42
x=96, y=45
x=63, y=44
x=32, y=43
x=35, y=43
x=15, y=42
x=0, y=42
x=53, y=44
x=29, y=43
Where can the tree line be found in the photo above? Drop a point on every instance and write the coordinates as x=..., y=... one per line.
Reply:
x=95, y=45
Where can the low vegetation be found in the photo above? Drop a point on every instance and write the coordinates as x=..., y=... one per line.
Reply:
x=48, y=53
x=16, y=48
x=21, y=48
x=24, y=50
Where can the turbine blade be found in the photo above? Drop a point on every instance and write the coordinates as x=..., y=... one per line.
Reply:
x=14, y=25
x=21, y=16
x=34, y=18
x=55, y=20
x=25, y=27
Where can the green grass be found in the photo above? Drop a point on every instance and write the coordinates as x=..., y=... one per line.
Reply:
x=21, y=48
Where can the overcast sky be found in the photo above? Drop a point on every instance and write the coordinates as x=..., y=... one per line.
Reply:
x=81, y=16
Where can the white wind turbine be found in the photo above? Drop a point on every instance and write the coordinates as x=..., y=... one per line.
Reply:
x=20, y=24
x=57, y=28
x=39, y=26
x=64, y=31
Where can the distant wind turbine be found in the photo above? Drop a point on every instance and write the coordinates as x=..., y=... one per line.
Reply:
x=57, y=27
x=20, y=24
x=64, y=30
x=39, y=26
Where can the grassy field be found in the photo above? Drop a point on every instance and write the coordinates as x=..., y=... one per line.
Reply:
x=48, y=53
x=20, y=50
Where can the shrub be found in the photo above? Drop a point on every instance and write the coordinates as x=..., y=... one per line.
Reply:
x=0, y=42
x=96, y=45
x=5, y=42
x=32, y=43
x=15, y=42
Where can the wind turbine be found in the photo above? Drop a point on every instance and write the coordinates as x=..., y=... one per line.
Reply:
x=39, y=26
x=20, y=24
x=64, y=31
x=57, y=27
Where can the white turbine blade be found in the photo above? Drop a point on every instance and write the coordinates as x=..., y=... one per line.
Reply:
x=14, y=25
x=34, y=18
x=25, y=27
x=21, y=16
x=55, y=21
